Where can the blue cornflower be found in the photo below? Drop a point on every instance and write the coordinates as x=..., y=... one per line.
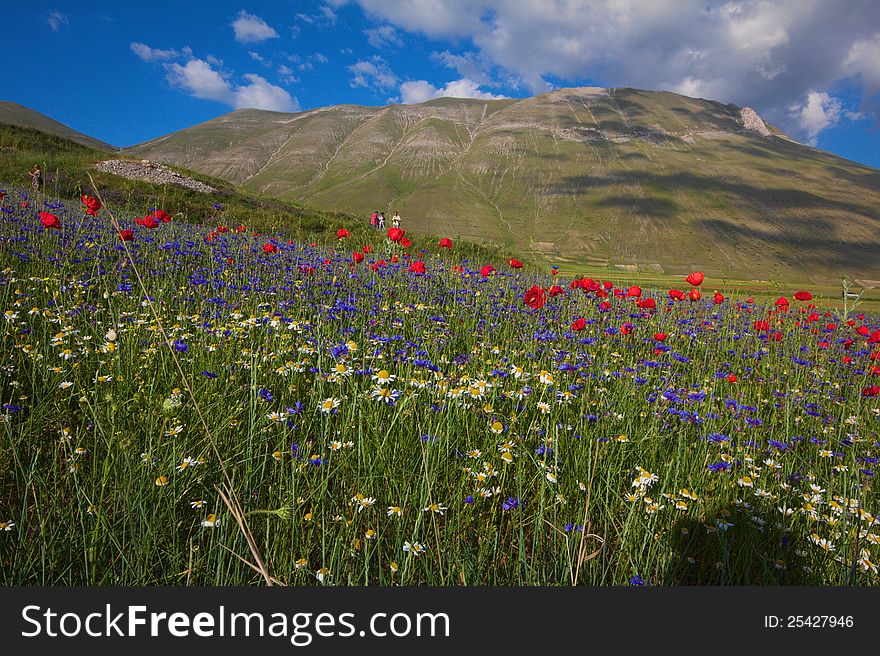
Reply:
x=510, y=504
x=208, y=374
x=637, y=580
x=180, y=346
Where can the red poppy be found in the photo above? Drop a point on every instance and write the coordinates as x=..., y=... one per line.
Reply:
x=555, y=290
x=694, y=295
x=357, y=257
x=695, y=279
x=776, y=337
x=660, y=336
x=782, y=303
x=514, y=263
x=92, y=205
x=367, y=249
x=50, y=221
x=270, y=248
x=803, y=296
x=635, y=290
x=240, y=228
x=2, y=195
x=394, y=259
x=677, y=295
x=458, y=268
x=534, y=298
x=604, y=306
x=608, y=284
x=486, y=270
x=395, y=234
x=126, y=235
x=149, y=222
x=647, y=304
x=873, y=390
x=342, y=233
x=165, y=217
x=863, y=330
x=732, y=379
x=718, y=298
x=405, y=242
x=579, y=324
x=417, y=267
x=761, y=326
x=446, y=242
x=874, y=338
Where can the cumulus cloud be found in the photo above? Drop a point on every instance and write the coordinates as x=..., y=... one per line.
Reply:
x=373, y=73
x=863, y=60
x=149, y=54
x=767, y=55
x=198, y=78
x=816, y=112
x=56, y=20
x=252, y=29
x=419, y=91
x=383, y=36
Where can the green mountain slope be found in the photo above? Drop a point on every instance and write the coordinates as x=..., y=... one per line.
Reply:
x=587, y=176
x=67, y=166
x=14, y=114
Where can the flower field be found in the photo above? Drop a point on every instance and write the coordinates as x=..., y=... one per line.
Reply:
x=393, y=412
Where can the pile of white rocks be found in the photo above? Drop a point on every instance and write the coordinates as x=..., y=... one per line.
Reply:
x=151, y=172
x=751, y=122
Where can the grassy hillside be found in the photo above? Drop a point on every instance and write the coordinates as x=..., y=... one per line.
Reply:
x=617, y=178
x=18, y=115
x=67, y=165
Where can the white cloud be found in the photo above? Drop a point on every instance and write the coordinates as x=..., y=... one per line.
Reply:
x=55, y=20
x=816, y=112
x=470, y=65
x=759, y=53
x=383, y=36
x=257, y=57
x=287, y=75
x=259, y=94
x=199, y=79
x=149, y=54
x=252, y=29
x=373, y=74
x=419, y=91
x=863, y=60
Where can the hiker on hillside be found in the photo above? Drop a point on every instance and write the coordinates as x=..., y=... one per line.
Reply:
x=374, y=220
x=381, y=220
x=36, y=179
x=395, y=220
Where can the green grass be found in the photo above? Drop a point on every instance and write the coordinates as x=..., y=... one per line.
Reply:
x=93, y=474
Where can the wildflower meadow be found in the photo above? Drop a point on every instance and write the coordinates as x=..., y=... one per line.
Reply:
x=208, y=405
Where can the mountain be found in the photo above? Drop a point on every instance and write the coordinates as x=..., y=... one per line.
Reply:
x=14, y=114
x=633, y=179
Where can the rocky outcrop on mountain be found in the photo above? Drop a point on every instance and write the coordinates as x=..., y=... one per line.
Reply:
x=751, y=122
x=151, y=172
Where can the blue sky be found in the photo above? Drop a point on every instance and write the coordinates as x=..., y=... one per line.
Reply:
x=128, y=72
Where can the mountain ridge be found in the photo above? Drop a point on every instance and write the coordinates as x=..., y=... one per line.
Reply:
x=622, y=178
x=12, y=113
